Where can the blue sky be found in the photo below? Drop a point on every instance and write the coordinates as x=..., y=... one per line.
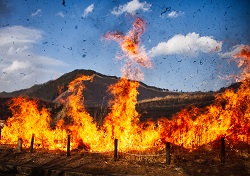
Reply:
x=190, y=43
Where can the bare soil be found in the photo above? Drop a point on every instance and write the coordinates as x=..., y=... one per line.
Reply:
x=183, y=163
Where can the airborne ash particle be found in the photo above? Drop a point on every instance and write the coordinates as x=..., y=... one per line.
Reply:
x=63, y=3
x=166, y=10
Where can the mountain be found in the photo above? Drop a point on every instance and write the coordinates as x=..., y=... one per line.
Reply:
x=95, y=94
x=152, y=102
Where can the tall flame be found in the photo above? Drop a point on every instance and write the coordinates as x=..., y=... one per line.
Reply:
x=123, y=120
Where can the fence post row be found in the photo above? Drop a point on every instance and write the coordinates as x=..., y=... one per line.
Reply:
x=168, y=154
x=68, y=146
x=32, y=143
x=223, y=150
x=115, y=149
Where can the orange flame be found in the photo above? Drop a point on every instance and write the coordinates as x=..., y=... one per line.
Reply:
x=134, y=54
x=27, y=119
x=243, y=60
x=228, y=117
x=123, y=123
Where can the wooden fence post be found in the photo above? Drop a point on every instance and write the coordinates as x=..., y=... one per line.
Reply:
x=115, y=149
x=248, y=149
x=223, y=150
x=19, y=144
x=32, y=143
x=1, y=126
x=68, y=145
x=168, y=156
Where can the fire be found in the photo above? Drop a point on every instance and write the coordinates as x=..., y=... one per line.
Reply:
x=134, y=54
x=83, y=129
x=228, y=116
x=27, y=119
x=123, y=120
x=123, y=123
x=243, y=60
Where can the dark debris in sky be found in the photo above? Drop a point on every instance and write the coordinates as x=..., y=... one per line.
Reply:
x=63, y=3
x=167, y=9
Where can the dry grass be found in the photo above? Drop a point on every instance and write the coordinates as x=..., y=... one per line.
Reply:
x=180, y=97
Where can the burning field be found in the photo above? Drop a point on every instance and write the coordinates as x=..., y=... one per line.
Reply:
x=196, y=131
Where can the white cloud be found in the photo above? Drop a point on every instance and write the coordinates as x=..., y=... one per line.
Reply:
x=88, y=10
x=37, y=12
x=19, y=35
x=131, y=7
x=60, y=14
x=20, y=67
x=190, y=45
x=175, y=14
x=16, y=65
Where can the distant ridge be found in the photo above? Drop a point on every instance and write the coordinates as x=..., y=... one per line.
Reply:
x=95, y=94
x=152, y=102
